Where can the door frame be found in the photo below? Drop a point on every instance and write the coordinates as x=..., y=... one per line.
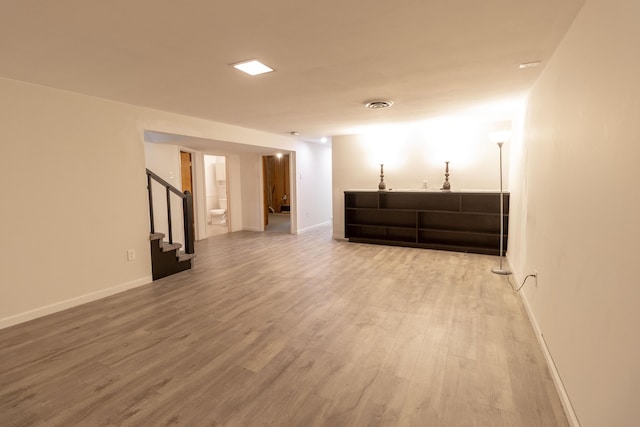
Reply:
x=292, y=189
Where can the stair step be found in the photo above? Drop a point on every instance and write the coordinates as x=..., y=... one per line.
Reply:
x=167, y=258
x=156, y=236
x=167, y=247
x=182, y=256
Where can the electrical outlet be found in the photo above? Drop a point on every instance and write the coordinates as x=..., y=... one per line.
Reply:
x=131, y=254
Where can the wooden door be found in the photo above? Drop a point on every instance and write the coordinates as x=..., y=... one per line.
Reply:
x=185, y=171
x=187, y=180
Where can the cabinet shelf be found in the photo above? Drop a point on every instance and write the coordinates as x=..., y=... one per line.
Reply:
x=479, y=233
x=383, y=209
x=456, y=221
x=383, y=226
x=383, y=233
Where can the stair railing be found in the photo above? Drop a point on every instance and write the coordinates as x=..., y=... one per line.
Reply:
x=187, y=210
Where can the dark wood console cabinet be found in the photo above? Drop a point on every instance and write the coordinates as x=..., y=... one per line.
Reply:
x=455, y=221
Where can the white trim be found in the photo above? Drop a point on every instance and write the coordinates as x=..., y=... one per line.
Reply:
x=322, y=224
x=555, y=375
x=340, y=237
x=72, y=302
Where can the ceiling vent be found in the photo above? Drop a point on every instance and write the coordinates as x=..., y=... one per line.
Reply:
x=378, y=104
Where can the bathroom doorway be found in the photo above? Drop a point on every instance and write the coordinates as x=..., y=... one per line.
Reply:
x=217, y=206
x=277, y=193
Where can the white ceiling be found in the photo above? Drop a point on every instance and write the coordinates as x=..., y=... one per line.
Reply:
x=431, y=57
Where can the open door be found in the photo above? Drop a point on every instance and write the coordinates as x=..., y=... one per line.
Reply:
x=187, y=176
x=277, y=189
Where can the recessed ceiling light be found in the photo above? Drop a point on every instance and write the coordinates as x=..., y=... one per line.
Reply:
x=378, y=104
x=253, y=67
x=294, y=133
x=531, y=64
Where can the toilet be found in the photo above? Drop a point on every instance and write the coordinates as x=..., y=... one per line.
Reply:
x=219, y=216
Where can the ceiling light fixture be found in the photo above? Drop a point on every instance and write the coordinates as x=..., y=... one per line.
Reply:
x=378, y=104
x=531, y=64
x=253, y=67
x=294, y=133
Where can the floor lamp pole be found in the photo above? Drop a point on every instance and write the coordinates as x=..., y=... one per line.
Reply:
x=501, y=270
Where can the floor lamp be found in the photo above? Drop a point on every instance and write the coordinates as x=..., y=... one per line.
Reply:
x=500, y=138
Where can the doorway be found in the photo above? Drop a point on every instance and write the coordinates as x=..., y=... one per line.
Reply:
x=216, y=190
x=277, y=193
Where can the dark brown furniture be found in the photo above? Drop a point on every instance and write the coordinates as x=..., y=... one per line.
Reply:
x=452, y=220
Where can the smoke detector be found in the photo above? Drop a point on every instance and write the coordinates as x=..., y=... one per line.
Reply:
x=378, y=104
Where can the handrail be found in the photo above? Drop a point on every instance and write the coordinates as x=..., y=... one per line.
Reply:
x=165, y=183
x=187, y=211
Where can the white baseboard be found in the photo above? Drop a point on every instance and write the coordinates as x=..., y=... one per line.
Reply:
x=72, y=302
x=322, y=224
x=555, y=375
x=340, y=237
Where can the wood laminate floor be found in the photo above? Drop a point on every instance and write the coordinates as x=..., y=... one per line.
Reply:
x=284, y=330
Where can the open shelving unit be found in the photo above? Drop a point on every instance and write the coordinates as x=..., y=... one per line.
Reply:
x=451, y=220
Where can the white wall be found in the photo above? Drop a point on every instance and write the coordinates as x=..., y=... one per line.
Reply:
x=164, y=160
x=211, y=185
x=199, y=196
x=251, y=181
x=74, y=194
x=417, y=153
x=73, y=200
x=235, y=196
x=578, y=211
x=313, y=185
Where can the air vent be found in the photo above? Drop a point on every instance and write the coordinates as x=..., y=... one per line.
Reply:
x=377, y=104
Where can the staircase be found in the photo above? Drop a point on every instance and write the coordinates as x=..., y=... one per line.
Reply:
x=166, y=256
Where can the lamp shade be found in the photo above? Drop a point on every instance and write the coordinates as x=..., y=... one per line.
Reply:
x=500, y=136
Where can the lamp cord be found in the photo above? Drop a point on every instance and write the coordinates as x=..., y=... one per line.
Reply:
x=523, y=282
